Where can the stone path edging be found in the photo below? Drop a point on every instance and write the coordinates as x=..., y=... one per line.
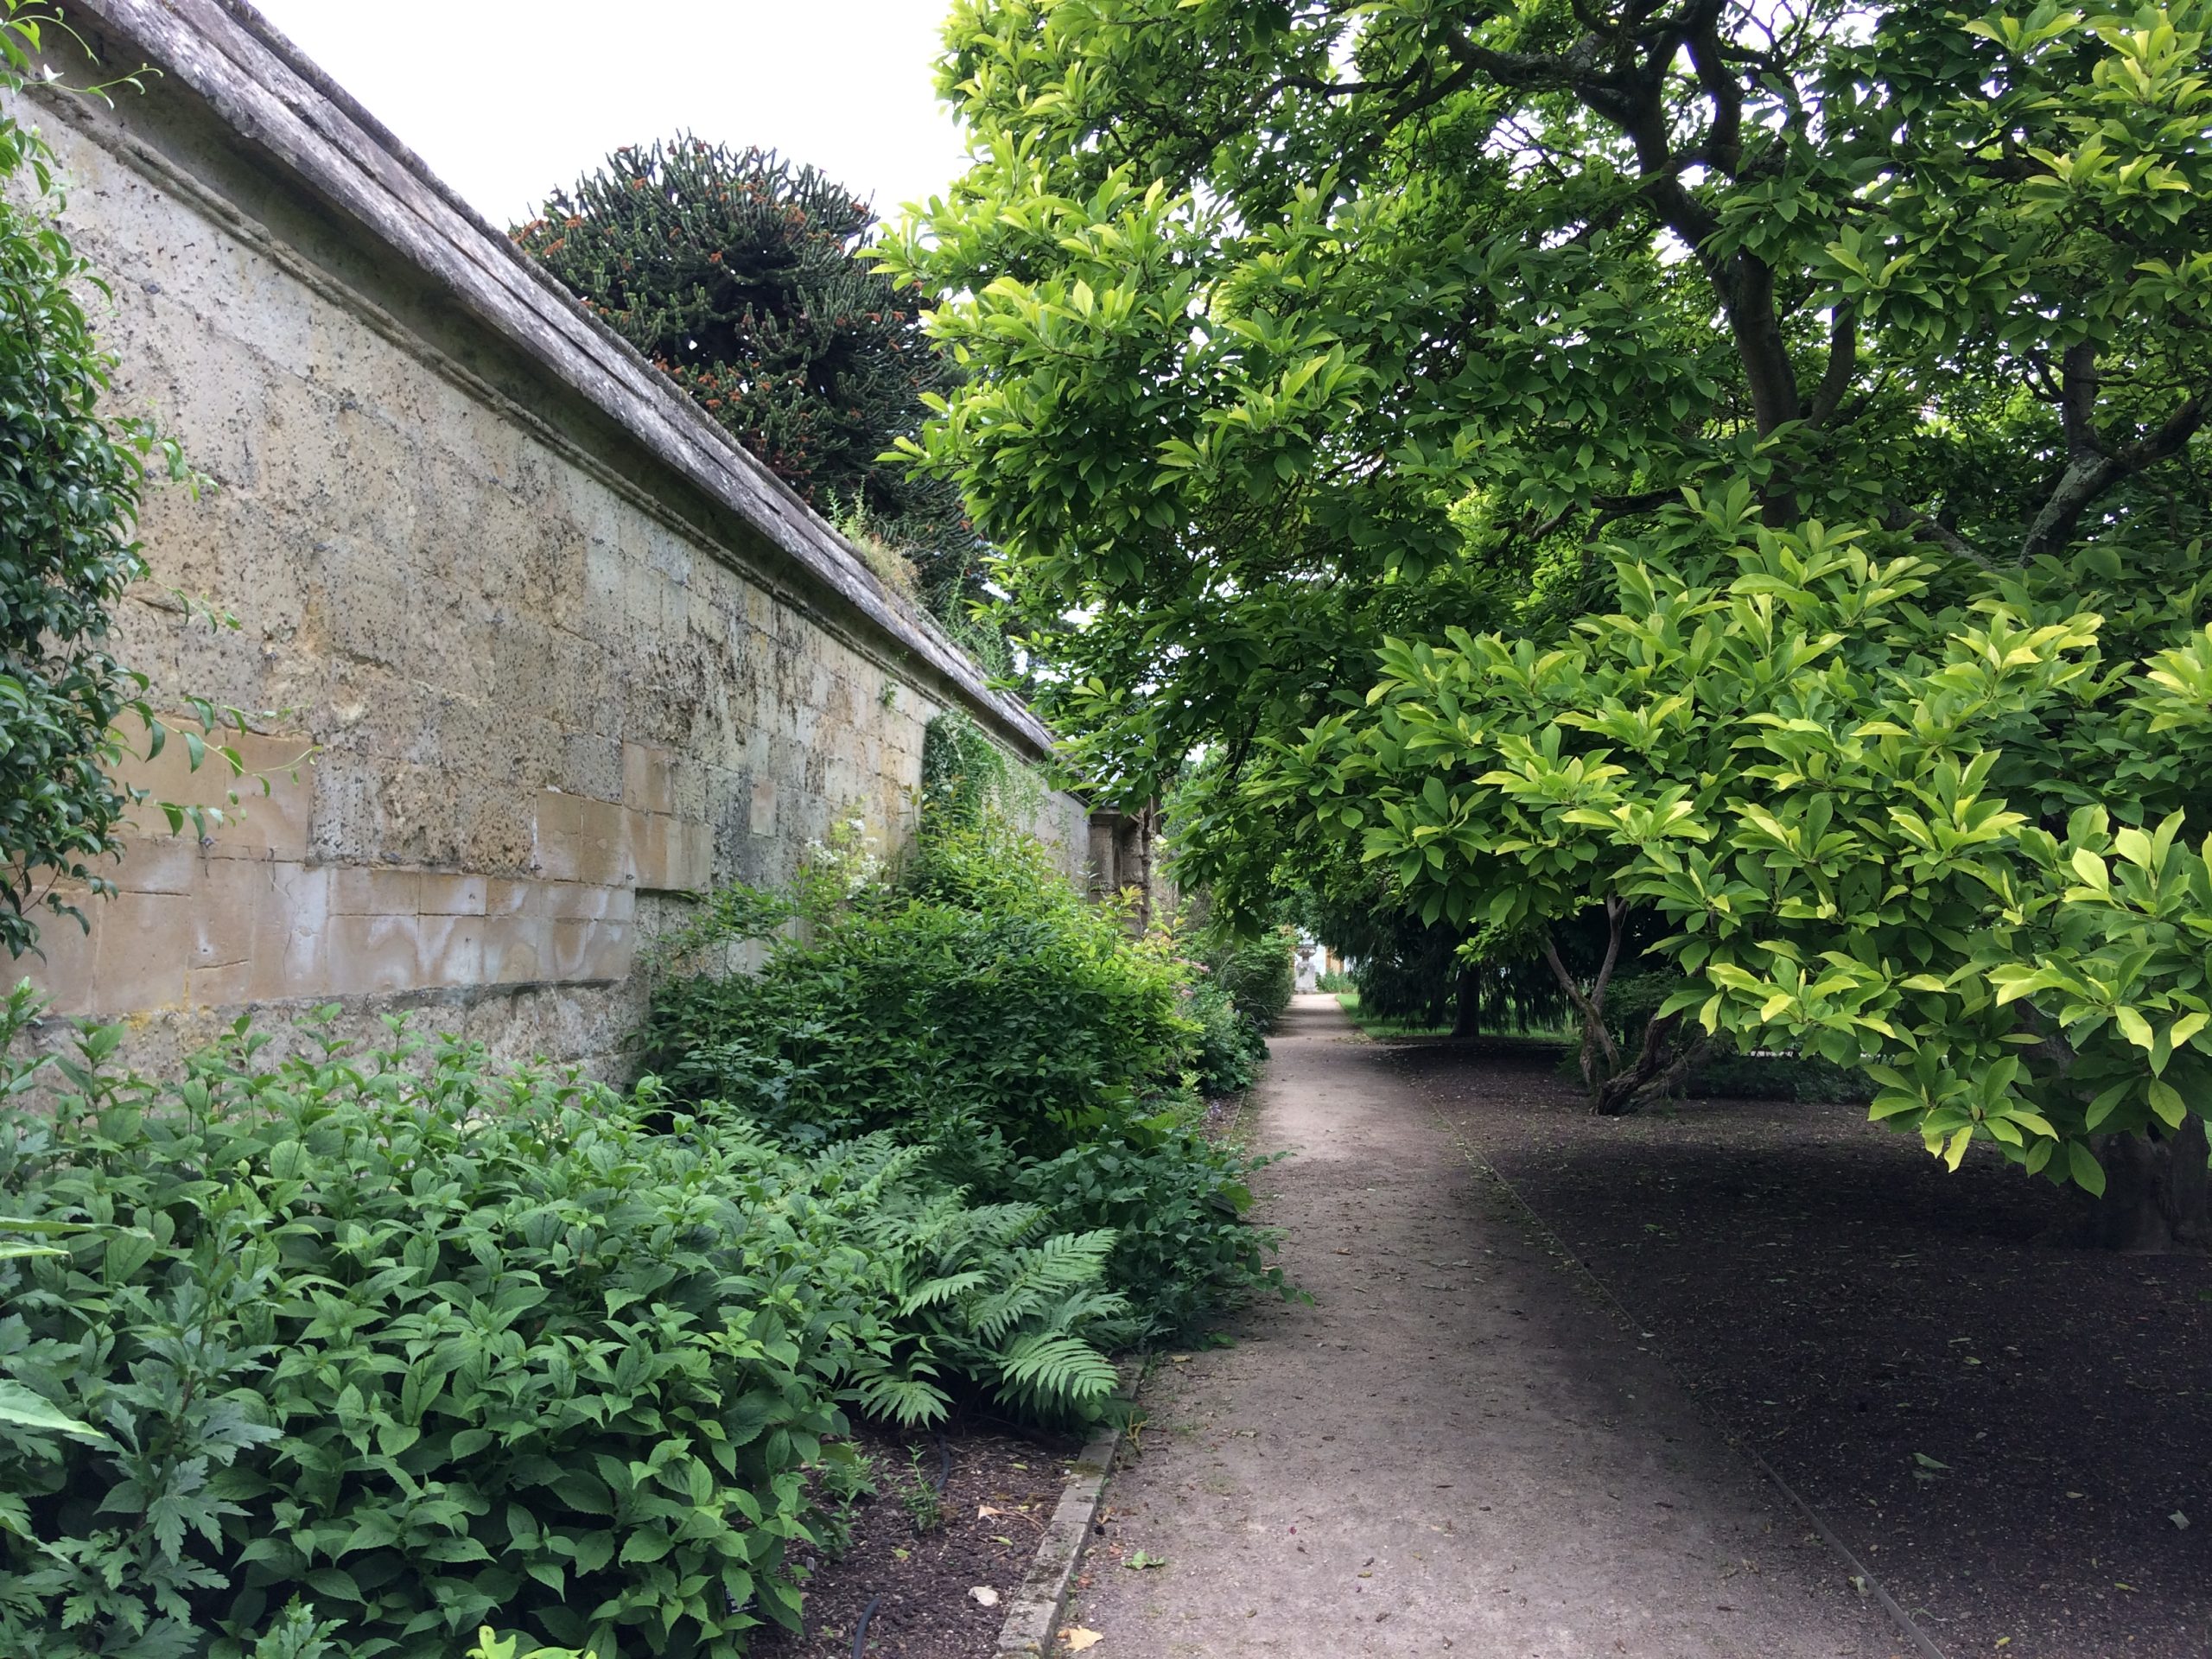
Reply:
x=1032, y=1618
x=1575, y=1264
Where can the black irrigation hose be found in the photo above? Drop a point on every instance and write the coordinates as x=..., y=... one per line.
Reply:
x=860, y=1636
x=936, y=1489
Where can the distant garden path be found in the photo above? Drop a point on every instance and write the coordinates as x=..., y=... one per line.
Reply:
x=1453, y=1447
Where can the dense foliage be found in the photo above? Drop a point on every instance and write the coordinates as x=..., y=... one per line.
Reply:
x=1730, y=476
x=69, y=486
x=734, y=271
x=978, y=1005
x=431, y=1342
x=1245, y=984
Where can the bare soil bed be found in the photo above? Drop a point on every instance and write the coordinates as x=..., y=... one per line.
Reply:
x=999, y=1493
x=2014, y=1434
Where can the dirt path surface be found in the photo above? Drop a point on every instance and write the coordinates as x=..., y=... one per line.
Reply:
x=1454, y=1448
x=2013, y=1431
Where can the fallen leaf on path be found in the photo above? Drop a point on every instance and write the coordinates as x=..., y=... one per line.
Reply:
x=985, y=1594
x=1078, y=1638
x=1139, y=1561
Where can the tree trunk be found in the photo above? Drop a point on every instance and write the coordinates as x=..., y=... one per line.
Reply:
x=1469, y=1020
x=1597, y=1039
x=2155, y=1191
x=1658, y=1066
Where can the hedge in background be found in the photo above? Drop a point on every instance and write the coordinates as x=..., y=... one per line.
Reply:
x=978, y=1001
x=1248, y=984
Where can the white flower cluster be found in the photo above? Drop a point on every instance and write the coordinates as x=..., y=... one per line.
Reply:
x=848, y=859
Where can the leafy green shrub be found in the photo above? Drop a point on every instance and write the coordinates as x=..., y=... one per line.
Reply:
x=436, y=1344
x=1256, y=971
x=979, y=1002
x=1229, y=1047
x=1175, y=1202
x=1245, y=986
x=979, y=1005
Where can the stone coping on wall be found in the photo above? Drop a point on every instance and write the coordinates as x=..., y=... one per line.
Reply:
x=263, y=88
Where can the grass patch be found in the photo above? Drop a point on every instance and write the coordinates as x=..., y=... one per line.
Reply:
x=1375, y=1026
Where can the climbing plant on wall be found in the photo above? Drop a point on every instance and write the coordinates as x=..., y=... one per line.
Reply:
x=734, y=270
x=69, y=487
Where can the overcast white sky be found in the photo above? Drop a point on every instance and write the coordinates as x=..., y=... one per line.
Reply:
x=506, y=99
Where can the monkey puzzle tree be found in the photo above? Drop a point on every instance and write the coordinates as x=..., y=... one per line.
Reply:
x=734, y=270
x=1799, y=408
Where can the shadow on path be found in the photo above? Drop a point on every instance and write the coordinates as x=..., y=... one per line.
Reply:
x=2014, y=1433
x=1452, y=1448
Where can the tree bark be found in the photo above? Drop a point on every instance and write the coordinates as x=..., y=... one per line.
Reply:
x=1658, y=1066
x=1468, y=1021
x=2156, y=1192
x=1596, y=1039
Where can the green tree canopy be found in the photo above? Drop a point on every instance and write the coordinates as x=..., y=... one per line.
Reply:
x=1738, y=465
x=734, y=270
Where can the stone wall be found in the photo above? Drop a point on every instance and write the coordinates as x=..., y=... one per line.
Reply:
x=557, y=655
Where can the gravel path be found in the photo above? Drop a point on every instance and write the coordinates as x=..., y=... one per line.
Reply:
x=1454, y=1448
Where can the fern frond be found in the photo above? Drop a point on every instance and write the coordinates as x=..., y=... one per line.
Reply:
x=1083, y=1311
x=1055, y=1374
x=907, y=1400
x=948, y=1288
x=1067, y=1260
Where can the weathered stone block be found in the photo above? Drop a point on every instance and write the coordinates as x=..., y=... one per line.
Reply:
x=373, y=953
x=507, y=898
x=159, y=863
x=454, y=895
x=145, y=942
x=449, y=950
x=65, y=970
x=648, y=778
x=226, y=910
x=515, y=950
x=360, y=892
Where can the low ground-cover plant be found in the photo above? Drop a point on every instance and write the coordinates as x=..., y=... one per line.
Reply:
x=430, y=1342
x=976, y=1003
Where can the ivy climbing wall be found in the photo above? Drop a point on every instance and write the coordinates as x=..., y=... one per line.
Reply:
x=540, y=654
